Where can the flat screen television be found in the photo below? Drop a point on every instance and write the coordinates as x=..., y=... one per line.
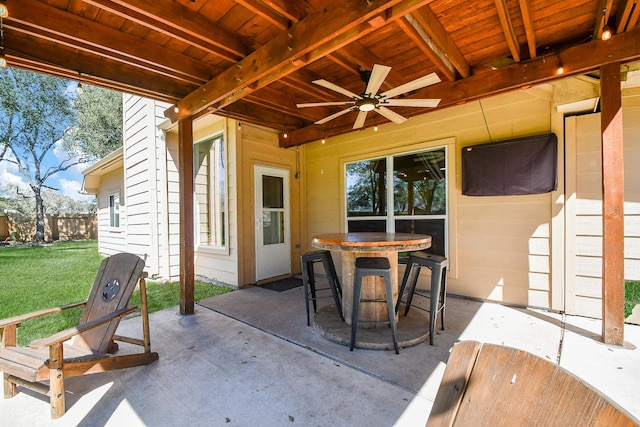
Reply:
x=513, y=167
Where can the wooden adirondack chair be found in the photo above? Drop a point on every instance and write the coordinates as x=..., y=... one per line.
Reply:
x=493, y=385
x=92, y=344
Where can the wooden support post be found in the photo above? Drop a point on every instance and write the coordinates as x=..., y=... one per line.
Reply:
x=9, y=336
x=612, y=206
x=56, y=380
x=185, y=141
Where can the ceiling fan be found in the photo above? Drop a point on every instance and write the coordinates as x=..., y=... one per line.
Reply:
x=370, y=100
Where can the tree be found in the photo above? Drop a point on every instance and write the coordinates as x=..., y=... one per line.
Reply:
x=99, y=125
x=35, y=115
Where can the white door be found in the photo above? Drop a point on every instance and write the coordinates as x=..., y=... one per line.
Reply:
x=273, y=237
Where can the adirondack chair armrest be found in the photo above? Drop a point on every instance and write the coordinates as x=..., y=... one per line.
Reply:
x=69, y=333
x=17, y=320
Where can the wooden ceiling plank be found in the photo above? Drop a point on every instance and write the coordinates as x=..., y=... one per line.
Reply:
x=247, y=112
x=528, y=27
x=276, y=58
x=186, y=21
x=301, y=80
x=604, y=10
x=132, y=14
x=580, y=59
x=429, y=21
x=294, y=10
x=54, y=24
x=266, y=12
x=419, y=36
x=507, y=28
x=344, y=63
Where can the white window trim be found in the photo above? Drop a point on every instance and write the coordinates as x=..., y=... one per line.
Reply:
x=211, y=249
x=115, y=193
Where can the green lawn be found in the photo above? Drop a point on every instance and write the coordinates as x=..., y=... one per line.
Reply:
x=34, y=278
x=631, y=296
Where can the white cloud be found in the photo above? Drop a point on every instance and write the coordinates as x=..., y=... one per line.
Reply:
x=9, y=175
x=71, y=189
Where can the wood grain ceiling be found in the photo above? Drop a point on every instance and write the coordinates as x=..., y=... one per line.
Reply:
x=255, y=59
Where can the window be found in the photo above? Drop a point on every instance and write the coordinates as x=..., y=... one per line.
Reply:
x=418, y=196
x=114, y=210
x=210, y=186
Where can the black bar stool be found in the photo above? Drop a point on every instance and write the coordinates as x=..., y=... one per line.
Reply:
x=372, y=266
x=309, y=280
x=438, y=295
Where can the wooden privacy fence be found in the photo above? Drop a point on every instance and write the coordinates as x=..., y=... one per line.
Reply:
x=19, y=227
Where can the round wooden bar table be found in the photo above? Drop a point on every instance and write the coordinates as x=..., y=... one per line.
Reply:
x=353, y=245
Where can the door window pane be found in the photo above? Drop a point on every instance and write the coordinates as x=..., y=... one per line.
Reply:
x=272, y=227
x=272, y=196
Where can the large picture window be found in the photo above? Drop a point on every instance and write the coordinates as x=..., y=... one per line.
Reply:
x=210, y=186
x=418, y=195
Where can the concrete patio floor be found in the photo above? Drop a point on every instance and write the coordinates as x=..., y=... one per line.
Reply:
x=247, y=358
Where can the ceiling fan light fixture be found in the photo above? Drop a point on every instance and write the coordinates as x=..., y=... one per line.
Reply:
x=366, y=104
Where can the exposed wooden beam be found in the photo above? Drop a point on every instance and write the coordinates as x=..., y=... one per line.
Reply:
x=429, y=21
x=604, y=10
x=32, y=53
x=627, y=15
x=185, y=172
x=294, y=10
x=319, y=34
x=421, y=38
x=612, y=205
x=528, y=28
x=266, y=12
x=507, y=28
x=218, y=41
x=88, y=36
x=577, y=60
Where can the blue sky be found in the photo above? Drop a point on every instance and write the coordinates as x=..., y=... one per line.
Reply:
x=68, y=182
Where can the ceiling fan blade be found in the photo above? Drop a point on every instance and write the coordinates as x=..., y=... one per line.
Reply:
x=324, y=104
x=378, y=74
x=391, y=115
x=333, y=116
x=411, y=102
x=336, y=88
x=362, y=116
x=418, y=83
